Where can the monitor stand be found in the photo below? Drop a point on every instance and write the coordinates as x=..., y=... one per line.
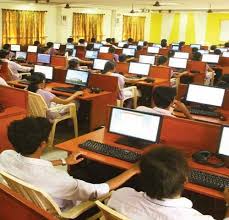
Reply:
x=133, y=142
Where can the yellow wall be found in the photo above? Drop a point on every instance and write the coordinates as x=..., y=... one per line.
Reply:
x=155, y=27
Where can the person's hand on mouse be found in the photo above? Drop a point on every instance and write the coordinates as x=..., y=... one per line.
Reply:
x=74, y=158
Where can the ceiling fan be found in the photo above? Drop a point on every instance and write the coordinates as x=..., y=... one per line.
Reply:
x=159, y=4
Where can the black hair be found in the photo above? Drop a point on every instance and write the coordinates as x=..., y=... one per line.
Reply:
x=69, y=51
x=50, y=44
x=73, y=64
x=36, y=43
x=213, y=47
x=108, y=40
x=181, y=44
x=217, y=51
x=3, y=54
x=35, y=79
x=194, y=49
x=122, y=57
x=113, y=40
x=163, y=96
x=171, y=53
x=93, y=40
x=81, y=41
x=197, y=56
x=223, y=82
x=139, y=47
x=111, y=50
x=27, y=134
x=164, y=43
x=70, y=40
x=164, y=171
x=125, y=46
x=89, y=47
x=130, y=40
x=6, y=47
x=161, y=60
x=145, y=43
x=109, y=65
x=226, y=44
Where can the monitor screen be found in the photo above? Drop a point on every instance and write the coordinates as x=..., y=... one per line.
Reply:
x=21, y=55
x=210, y=58
x=74, y=53
x=128, y=52
x=140, y=43
x=99, y=64
x=139, y=68
x=15, y=47
x=178, y=63
x=204, y=51
x=224, y=142
x=43, y=58
x=225, y=54
x=205, y=95
x=198, y=46
x=181, y=55
x=56, y=46
x=103, y=42
x=70, y=46
x=132, y=47
x=47, y=70
x=157, y=45
x=32, y=49
x=97, y=45
x=90, y=54
x=77, y=77
x=131, y=123
x=121, y=44
x=153, y=49
x=147, y=59
x=103, y=49
x=175, y=47
x=222, y=49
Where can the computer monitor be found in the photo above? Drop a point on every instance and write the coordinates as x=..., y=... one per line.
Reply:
x=132, y=47
x=141, y=43
x=70, y=46
x=43, y=58
x=203, y=51
x=205, y=95
x=122, y=43
x=139, y=68
x=56, y=46
x=103, y=42
x=15, y=47
x=21, y=55
x=153, y=49
x=128, y=52
x=225, y=54
x=91, y=54
x=210, y=58
x=46, y=70
x=137, y=128
x=157, y=45
x=198, y=46
x=224, y=142
x=99, y=64
x=103, y=49
x=32, y=49
x=175, y=47
x=178, y=63
x=97, y=45
x=78, y=78
x=147, y=59
x=183, y=55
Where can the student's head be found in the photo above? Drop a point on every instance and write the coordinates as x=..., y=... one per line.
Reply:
x=108, y=40
x=4, y=54
x=73, y=64
x=70, y=40
x=164, y=171
x=112, y=40
x=89, y=47
x=217, y=51
x=93, y=40
x=181, y=44
x=130, y=40
x=29, y=135
x=213, y=47
x=37, y=81
x=109, y=67
x=36, y=43
x=164, y=43
x=139, y=48
x=163, y=96
x=226, y=45
x=197, y=56
x=122, y=58
x=194, y=50
x=145, y=43
x=6, y=47
x=171, y=53
x=111, y=50
x=161, y=60
x=81, y=41
x=50, y=44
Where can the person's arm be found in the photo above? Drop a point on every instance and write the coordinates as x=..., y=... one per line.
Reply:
x=68, y=100
x=226, y=197
x=22, y=68
x=181, y=107
x=85, y=61
x=70, y=160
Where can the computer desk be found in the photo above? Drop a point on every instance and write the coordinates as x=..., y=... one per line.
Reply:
x=208, y=136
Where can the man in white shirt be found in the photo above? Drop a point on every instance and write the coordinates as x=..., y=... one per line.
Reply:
x=163, y=99
x=29, y=138
x=163, y=174
x=14, y=67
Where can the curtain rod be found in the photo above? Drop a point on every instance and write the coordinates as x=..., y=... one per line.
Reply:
x=22, y=10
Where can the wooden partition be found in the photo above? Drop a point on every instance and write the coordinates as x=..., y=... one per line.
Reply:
x=106, y=56
x=162, y=72
x=4, y=71
x=80, y=52
x=59, y=74
x=224, y=61
x=164, y=51
x=31, y=58
x=122, y=67
x=58, y=61
x=197, y=66
x=186, y=49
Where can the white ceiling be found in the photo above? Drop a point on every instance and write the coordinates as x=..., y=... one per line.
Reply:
x=138, y=4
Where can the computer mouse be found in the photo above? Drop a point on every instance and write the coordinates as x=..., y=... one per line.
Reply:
x=222, y=118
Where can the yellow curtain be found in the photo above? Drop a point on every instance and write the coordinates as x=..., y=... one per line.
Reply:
x=87, y=26
x=155, y=28
x=134, y=27
x=174, y=35
x=22, y=27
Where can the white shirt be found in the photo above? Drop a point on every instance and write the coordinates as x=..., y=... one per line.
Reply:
x=63, y=188
x=3, y=82
x=15, y=67
x=138, y=206
x=155, y=110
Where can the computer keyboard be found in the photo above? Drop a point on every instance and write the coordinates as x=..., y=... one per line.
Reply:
x=195, y=111
x=111, y=151
x=65, y=89
x=208, y=180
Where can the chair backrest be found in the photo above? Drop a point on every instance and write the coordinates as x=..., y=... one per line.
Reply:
x=162, y=72
x=37, y=105
x=4, y=71
x=31, y=193
x=109, y=213
x=196, y=66
x=13, y=205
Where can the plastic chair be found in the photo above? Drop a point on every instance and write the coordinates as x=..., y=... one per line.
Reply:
x=43, y=200
x=108, y=213
x=133, y=95
x=39, y=108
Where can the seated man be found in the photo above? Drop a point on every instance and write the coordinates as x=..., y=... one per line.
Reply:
x=29, y=138
x=163, y=173
x=163, y=99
